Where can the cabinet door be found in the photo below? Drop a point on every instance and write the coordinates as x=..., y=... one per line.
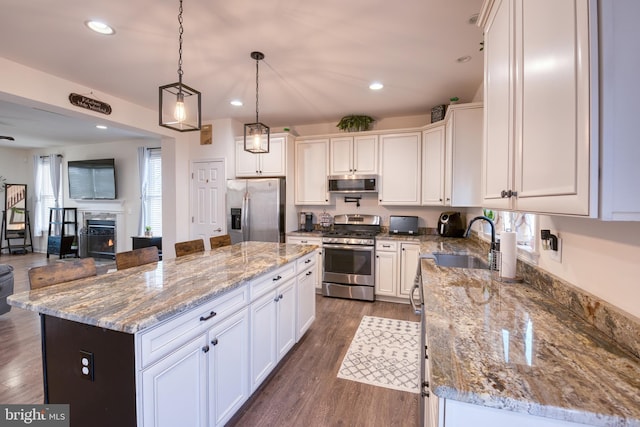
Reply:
x=341, y=151
x=400, y=169
x=306, y=300
x=498, y=152
x=246, y=163
x=433, y=168
x=273, y=163
x=174, y=390
x=552, y=170
x=465, y=166
x=228, y=367
x=286, y=317
x=263, y=356
x=311, y=172
x=365, y=155
x=409, y=258
x=386, y=273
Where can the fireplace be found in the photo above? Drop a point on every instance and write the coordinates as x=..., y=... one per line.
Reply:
x=100, y=237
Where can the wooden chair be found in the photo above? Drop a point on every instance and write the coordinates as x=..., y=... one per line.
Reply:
x=189, y=247
x=58, y=272
x=137, y=257
x=220, y=241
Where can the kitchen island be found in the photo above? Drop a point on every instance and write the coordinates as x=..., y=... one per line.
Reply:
x=181, y=342
x=503, y=354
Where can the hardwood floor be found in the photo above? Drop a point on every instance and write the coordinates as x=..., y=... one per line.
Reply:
x=303, y=390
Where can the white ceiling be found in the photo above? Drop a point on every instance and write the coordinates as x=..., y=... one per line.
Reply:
x=321, y=57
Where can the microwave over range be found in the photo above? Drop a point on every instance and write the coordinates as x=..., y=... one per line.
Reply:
x=353, y=183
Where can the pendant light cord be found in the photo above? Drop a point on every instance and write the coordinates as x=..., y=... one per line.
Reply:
x=257, y=86
x=180, y=32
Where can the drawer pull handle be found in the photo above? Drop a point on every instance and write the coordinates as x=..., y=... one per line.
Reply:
x=204, y=319
x=278, y=277
x=205, y=349
x=386, y=246
x=309, y=273
x=307, y=261
x=214, y=341
x=303, y=241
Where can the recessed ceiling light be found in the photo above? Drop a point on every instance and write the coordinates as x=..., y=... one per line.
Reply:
x=236, y=103
x=100, y=27
x=376, y=86
x=464, y=59
x=101, y=126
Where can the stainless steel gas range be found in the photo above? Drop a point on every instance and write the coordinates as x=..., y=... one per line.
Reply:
x=349, y=257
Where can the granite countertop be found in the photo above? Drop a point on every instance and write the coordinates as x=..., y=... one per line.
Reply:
x=509, y=346
x=134, y=299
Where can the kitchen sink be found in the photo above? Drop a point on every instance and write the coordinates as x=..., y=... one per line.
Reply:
x=460, y=261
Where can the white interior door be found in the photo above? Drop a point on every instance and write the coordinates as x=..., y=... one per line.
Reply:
x=208, y=186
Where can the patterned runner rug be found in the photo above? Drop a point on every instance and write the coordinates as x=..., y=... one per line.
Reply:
x=385, y=353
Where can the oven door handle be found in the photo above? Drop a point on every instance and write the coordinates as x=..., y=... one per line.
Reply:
x=353, y=247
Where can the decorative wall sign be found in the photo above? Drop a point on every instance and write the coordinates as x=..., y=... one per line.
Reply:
x=206, y=135
x=89, y=104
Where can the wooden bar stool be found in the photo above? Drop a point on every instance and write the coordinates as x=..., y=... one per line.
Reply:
x=59, y=272
x=220, y=241
x=189, y=247
x=137, y=257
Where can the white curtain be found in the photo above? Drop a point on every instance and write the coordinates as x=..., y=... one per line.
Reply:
x=39, y=220
x=143, y=167
x=55, y=169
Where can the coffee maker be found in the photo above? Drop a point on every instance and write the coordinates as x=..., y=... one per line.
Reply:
x=306, y=221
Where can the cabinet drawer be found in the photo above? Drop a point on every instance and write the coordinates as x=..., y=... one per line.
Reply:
x=306, y=262
x=386, y=245
x=169, y=336
x=269, y=281
x=305, y=240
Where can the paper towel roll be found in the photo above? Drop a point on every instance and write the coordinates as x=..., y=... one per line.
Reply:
x=508, y=249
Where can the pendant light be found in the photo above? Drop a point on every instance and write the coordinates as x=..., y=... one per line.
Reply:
x=256, y=135
x=180, y=104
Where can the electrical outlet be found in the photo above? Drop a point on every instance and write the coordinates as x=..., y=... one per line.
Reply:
x=86, y=365
x=556, y=255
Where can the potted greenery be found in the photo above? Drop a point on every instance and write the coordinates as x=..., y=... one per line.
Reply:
x=147, y=231
x=355, y=123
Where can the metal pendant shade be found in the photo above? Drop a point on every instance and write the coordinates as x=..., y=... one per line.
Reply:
x=180, y=105
x=256, y=135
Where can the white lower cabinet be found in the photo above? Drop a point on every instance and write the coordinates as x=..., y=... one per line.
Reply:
x=228, y=361
x=396, y=264
x=198, y=369
x=306, y=294
x=386, y=268
x=409, y=258
x=299, y=240
x=177, y=381
x=273, y=330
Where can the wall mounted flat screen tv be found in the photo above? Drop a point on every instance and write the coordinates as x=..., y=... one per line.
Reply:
x=92, y=179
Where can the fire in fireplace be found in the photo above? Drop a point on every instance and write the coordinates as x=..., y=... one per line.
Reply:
x=101, y=238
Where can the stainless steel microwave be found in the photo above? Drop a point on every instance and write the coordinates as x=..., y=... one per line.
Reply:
x=353, y=183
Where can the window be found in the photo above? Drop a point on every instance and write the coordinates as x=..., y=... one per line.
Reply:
x=525, y=226
x=153, y=217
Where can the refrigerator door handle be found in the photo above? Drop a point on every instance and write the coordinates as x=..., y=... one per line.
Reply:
x=245, y=217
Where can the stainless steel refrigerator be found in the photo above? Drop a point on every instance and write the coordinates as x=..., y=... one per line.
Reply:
x=256, y=209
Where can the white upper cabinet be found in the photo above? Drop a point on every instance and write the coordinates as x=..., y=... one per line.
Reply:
x=354, y=155
x=433, y=169
x=619, y=109
x=268, y=164
x=463, y=170
x=540, y=147
x=311, y=167
x=400, y=169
